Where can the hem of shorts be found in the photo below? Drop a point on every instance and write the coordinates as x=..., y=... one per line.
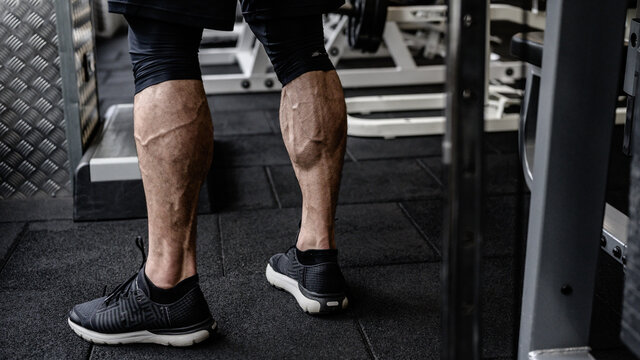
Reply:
x=163, y=78
x=303, y=70
x=292, y=11
x=223, y=24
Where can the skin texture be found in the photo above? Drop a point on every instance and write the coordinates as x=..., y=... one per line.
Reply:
x=313, y=120
x=174, y=139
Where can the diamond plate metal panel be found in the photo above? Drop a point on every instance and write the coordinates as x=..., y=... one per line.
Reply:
x=33, y=142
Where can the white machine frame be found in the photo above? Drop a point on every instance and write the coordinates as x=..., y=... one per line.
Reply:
x=255, y=67
x=496, y=118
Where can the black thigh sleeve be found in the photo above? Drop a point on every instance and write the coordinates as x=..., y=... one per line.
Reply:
x=294, y=45
x=162, y=51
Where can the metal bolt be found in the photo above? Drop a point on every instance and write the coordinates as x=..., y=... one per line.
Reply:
x=467, y=20
x=245, y=84
x=466, y=93
x=603, y=241
x=566, y=289
x=624, y=260
x=617, y=252
x=268, y=83
x=509, y=72
x=633, y=39
x=333, y=51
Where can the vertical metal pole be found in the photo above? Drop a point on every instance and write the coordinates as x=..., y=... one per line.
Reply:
x=580, y=65
x=463, y=160
x=64, y=22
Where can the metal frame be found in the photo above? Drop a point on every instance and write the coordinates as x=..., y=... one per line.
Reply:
x=255, y=75
x=614, y=234
x=614, y=229
x=463, y=157
x=495, y=117
x=570, y=171
x=73, y=125
x=108, y=163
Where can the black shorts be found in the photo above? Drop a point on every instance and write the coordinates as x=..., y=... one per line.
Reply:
x=220, y=14
x=162, y=51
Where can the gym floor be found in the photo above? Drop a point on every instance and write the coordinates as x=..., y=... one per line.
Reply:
x=389, y=228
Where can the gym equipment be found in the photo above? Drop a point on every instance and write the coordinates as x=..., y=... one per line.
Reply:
x=528, y=47
x=463, y=158
x=500, y=99
x=48, y=100
x=113, y=169
x=366, y=24
x=575, y=111
x=108, y=178
x=397, y=44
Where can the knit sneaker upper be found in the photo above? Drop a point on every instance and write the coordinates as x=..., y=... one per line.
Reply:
x=322, y=278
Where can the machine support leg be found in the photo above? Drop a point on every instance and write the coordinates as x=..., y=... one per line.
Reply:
x=576, y=110
x=463, y=160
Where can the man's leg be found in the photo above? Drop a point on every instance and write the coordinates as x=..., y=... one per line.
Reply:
x=314, y=129
x=163, y=302
x=313, y=122
x=174, y=138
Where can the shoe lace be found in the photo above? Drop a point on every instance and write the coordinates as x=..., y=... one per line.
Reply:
x=122, y=290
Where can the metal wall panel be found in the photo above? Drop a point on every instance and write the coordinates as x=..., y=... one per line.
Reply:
x=34, y=159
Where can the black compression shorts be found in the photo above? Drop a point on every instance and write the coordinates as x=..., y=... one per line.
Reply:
x=162, y=51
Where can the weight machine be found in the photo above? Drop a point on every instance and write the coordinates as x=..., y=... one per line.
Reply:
x=401, y=33
x=576, y=107
x=426, y=23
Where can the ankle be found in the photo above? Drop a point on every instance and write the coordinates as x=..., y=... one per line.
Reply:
x=166, y=275
x=315, y=242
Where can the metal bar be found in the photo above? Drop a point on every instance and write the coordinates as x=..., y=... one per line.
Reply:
x=505, y=72
x=463, y=160
x=578, y=91
x=580, y=353
x=393, y=39
x=438, y=13
x=614, y=234
x=64, y=23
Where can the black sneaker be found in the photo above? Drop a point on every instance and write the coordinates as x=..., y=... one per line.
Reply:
x=128, y=315
x=313, y=277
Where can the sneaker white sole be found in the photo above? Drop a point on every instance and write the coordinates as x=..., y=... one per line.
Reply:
x=308, y=305
x=137, y=337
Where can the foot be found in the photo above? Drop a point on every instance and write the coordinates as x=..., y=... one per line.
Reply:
x=313, y=277
x=129, y=315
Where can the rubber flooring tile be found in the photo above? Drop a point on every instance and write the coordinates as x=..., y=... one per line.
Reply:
x=501, y=172
x=64, y=254
x=257, y=321
x=366, y=181
x=399, y=309
x=249, y=151
x=378, y=148
x=240, y=189
x=244, y=102
x=370, y=234
x=9, y=232
x=500, y=222
x=232, y=123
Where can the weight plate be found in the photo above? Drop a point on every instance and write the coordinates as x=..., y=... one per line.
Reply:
x=366, y=24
